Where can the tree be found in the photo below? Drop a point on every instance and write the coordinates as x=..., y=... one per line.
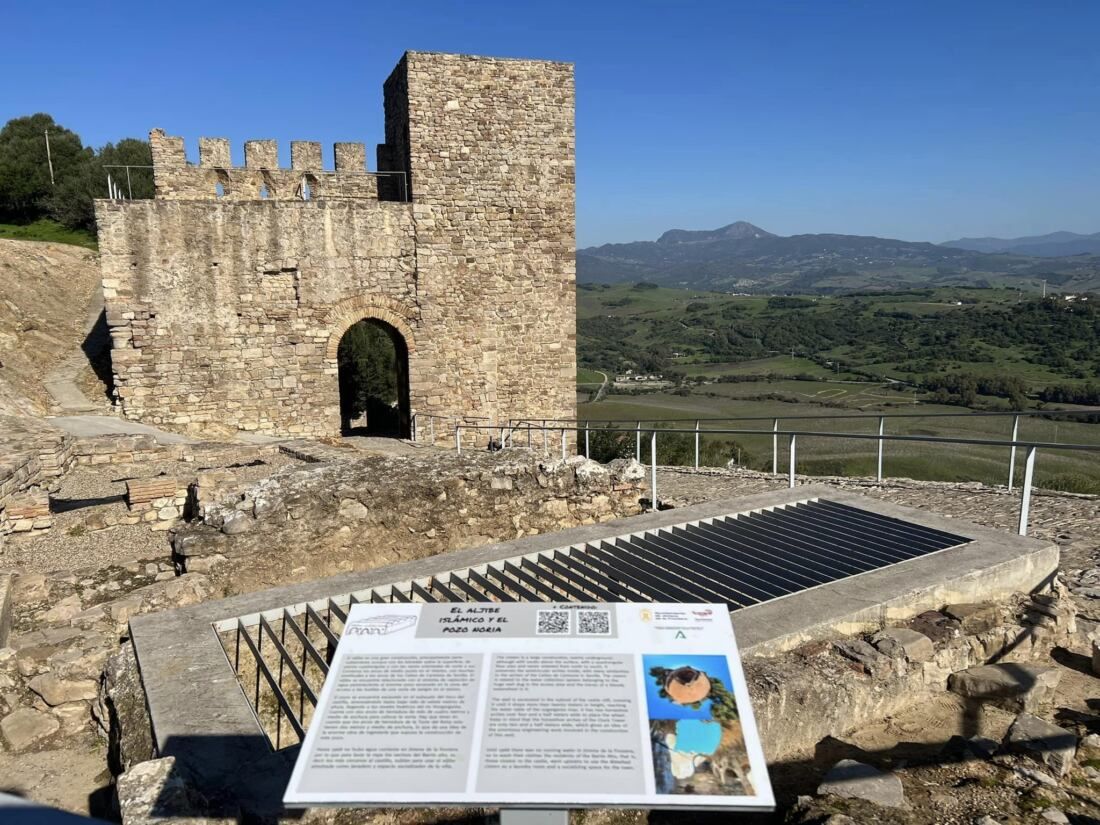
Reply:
x=367, y=362
x=26, y=193
x=80, y=173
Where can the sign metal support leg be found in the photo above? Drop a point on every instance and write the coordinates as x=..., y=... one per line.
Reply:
x=533, y=816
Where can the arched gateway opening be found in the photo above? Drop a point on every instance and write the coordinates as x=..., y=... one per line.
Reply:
x=373, y=362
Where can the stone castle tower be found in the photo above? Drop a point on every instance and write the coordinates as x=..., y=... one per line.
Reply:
x=228, y=293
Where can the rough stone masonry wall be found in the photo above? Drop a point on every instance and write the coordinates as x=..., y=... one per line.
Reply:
x=360, y=513
x=491, y=168
x=226, y=306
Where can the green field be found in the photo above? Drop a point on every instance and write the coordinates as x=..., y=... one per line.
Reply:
x=778, y=365
x=587, y=376
x=47, y=230
x=1076, y=471
x=912, y=336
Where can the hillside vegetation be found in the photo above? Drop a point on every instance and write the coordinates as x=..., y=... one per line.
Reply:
x=955, y=342
x=914, y=352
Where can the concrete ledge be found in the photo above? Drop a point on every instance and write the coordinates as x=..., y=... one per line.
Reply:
x=219, y=739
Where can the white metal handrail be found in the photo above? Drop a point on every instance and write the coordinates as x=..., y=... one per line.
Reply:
x=1032, y=447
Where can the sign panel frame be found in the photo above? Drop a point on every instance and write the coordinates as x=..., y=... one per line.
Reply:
x=534, y=705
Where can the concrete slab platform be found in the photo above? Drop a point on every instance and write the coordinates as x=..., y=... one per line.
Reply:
x=219, y=738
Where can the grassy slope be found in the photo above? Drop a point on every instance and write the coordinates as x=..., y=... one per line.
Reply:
x=857, y=457
x=49, y=231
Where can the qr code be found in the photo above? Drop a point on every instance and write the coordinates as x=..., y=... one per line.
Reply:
x=594, y=623
x=553, y=623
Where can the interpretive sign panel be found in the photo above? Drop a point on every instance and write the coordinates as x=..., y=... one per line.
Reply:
x=534, y=705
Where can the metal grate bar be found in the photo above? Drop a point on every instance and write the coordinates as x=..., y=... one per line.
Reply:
x=895, y=526
x=714, y=563
x=741, y=560
x=845, y=559
x=489, y=587
x=472, y=592
x=288, y=660
x=262, y=668
x=303, y=640
x=444, y=591
x=333, y=607
x=323, y=626
x=422, y=593
x=680, y=570
x=614, y=570
x=513, y=584
x=575, y=578
x=577, y=563
x=889, y=547
x=525, y=577
x=809, y=533
x=725, y=564
x=623, y=557
x=566, y=591
x=776, y=570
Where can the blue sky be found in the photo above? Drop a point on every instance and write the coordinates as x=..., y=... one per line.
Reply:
x=921, y=120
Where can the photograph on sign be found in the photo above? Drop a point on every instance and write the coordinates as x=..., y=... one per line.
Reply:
x=534, y=705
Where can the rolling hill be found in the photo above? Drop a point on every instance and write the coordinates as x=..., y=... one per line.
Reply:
x=1054, y=244
x=744, y=257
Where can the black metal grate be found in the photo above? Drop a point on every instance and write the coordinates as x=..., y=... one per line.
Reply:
x=741, y=560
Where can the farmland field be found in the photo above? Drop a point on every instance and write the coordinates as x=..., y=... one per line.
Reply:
x=1077, y=471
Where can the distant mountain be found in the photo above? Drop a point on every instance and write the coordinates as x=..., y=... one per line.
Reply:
x=744, y=257
x=738, y=231
x=1053, y=245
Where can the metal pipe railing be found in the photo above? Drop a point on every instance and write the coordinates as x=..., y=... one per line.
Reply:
x=850, y=416
x=880, y=437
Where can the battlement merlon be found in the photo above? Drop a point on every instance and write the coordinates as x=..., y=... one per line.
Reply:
x=261, y=178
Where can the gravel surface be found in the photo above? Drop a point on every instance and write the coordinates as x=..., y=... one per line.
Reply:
x=87, y=489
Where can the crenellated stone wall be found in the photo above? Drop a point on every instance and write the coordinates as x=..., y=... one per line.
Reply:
x=228, y=293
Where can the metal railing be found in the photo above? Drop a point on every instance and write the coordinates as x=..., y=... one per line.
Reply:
x=881, y=419
x=115, y=191
x=582, y=432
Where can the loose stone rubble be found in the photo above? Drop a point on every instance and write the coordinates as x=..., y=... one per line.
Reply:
x=814, y=705
x=328, y=518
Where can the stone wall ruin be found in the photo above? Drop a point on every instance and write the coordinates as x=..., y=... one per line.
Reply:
x=227, y=294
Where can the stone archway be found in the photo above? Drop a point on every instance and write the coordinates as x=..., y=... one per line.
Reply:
x=391, y=317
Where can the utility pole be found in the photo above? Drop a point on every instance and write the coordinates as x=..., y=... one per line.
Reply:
x=1044, y=289
x=49, y=159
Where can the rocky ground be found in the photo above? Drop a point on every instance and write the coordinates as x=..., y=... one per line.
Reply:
x=923, y=750
x=65, y=681
x=89, y=494
x=47, y=288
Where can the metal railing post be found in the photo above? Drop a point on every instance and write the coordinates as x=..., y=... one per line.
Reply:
x=775, y=446
x=587, y=452
x=431, y=429
x=696, y=445
x=653, y=471
x=458, y=438
x=638, y=443
x=790, y=479
x=1025, y=499
x=881, y=430
x=563, y=443
x=1012, y=451
x=414, y=432
x=545, y=439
